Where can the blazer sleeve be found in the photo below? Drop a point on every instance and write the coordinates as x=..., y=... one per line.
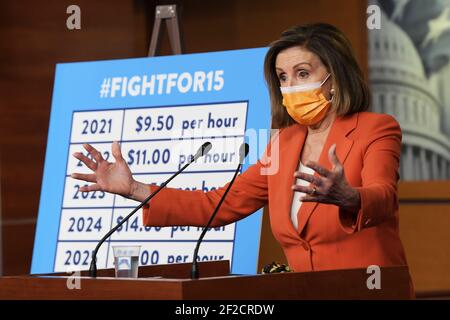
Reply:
x=378, y=193
x=174, y=207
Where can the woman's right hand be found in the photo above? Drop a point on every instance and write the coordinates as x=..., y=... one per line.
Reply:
x=106, y=176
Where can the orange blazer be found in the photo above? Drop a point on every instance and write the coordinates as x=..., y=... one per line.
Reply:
x=367, y=144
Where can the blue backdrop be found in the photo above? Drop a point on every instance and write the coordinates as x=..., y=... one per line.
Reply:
x=236, y=76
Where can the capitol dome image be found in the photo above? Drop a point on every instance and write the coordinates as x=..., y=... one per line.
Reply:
x=401, y=88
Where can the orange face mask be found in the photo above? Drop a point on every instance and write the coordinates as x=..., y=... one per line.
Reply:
x=306, y=103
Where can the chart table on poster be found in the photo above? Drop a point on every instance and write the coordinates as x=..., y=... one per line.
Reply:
x=155, y=143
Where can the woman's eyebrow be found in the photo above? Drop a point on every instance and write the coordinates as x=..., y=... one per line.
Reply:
x=298, y=64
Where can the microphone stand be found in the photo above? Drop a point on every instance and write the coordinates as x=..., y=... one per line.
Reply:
x=194, y=269
x=93, y=267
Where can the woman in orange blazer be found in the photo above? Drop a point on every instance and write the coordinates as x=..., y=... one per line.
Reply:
x=333, y=199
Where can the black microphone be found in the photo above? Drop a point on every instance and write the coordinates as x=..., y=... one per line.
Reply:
x=204, y=149
x=243, y=151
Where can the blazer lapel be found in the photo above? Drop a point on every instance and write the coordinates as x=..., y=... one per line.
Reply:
x=341, y=127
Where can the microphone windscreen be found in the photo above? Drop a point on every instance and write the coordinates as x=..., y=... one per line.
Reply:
x=206, y=147
x=243, y=152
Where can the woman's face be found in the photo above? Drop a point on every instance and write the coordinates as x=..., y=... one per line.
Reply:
x=297, y=65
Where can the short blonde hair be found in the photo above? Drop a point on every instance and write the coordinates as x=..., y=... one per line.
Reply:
x=352, y=93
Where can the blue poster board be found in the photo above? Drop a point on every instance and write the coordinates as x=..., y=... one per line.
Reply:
x=160, y=109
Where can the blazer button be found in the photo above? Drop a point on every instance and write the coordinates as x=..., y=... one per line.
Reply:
x=305, y=246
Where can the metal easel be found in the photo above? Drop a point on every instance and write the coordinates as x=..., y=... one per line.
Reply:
x=169, y=14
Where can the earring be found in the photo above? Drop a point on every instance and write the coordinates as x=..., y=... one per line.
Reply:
x=332, y=91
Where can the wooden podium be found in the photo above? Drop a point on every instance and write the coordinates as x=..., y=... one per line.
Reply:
x=172, y=282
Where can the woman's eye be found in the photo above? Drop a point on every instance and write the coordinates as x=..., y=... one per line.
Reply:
x=303, y=74
x=282, y=77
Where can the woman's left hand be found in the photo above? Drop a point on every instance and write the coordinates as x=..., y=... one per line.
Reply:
x=329, y=187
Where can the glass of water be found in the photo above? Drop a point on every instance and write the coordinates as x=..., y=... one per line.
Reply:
x=126, y=261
